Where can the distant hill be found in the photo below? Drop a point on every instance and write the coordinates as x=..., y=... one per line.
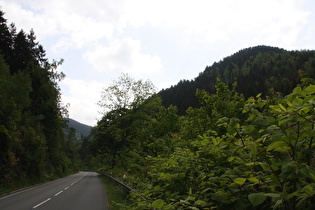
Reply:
x=260, y=69
x=81, y=129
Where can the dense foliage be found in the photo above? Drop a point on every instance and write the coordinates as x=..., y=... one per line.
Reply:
x=230, y=153
x=32, y=143
x=260, y=69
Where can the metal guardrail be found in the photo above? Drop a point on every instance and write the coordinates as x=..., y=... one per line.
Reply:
x=123, y=185
x=129, y=189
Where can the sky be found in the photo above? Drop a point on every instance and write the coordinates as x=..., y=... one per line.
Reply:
x=163, y=41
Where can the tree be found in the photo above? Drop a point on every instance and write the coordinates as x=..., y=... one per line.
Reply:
x=126, y=93
x=6, y=40
x=31, y=137
x=122, y=101
x=37, y=50
x=14, y=98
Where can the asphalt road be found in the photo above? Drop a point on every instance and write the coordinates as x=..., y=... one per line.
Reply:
x=83, y=190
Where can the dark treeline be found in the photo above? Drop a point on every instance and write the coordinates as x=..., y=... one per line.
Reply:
x=259, y=69
x=33, y=146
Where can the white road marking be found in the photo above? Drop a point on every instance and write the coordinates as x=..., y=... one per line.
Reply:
x=34, y=207
x=58, y=193
x=70, y=185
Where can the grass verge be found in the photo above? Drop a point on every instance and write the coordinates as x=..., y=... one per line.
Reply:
x=118, y=198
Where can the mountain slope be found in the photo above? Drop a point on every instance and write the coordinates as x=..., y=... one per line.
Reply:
x=81, y=129
x=260, y=69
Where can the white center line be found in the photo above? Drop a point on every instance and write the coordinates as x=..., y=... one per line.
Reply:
x=66, y=188
x=58, y=193
x=41, y=203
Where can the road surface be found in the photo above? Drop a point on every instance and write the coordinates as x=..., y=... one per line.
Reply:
x=83, y=190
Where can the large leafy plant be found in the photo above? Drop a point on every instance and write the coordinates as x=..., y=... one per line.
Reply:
x=234, y=154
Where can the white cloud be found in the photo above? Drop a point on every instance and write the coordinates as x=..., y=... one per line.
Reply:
x=83, y=97
x=75, y=24
x=82, y=23
x=211, y=21
x=123, y=55
x=113, y=36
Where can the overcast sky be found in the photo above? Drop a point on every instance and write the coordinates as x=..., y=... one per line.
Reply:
x=159, y=40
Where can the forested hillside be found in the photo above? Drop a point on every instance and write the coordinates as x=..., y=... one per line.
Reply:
x=260, y=69
x=32, y=143
x=81, y=130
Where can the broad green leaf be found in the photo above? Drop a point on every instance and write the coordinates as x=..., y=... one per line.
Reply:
x=297, y=102
x=201, y=203
x=306, y=171
x=297, y=89
x=305, y=109
x=249, y=129
x=264, y=166
x=290, y=104
x=142, y=206
x=240, y=181
x=290, y=168
x=216, y=141
x=273, y=195
x=309, y=190
x=185, y=202
x=231, y=131
x=159, y=203
x=275, y=108
x=157, y=188
x=222, y=120
x=230, y=159
x=252, y=164
x=296, y=193
x=309, y=90
x=254, y=180
x=282, y=107
x=252, y=147
x=279, y=146
x=273, y=127
x=278, y=203
x=261, y=104
x=205, y=190
x=257, y=198
x=308, y=133
x=310, y=99
x=234, y=124
x=285, y=121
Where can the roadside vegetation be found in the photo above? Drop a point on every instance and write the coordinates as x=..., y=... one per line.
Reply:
x=230, y=153
x=117, y=196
